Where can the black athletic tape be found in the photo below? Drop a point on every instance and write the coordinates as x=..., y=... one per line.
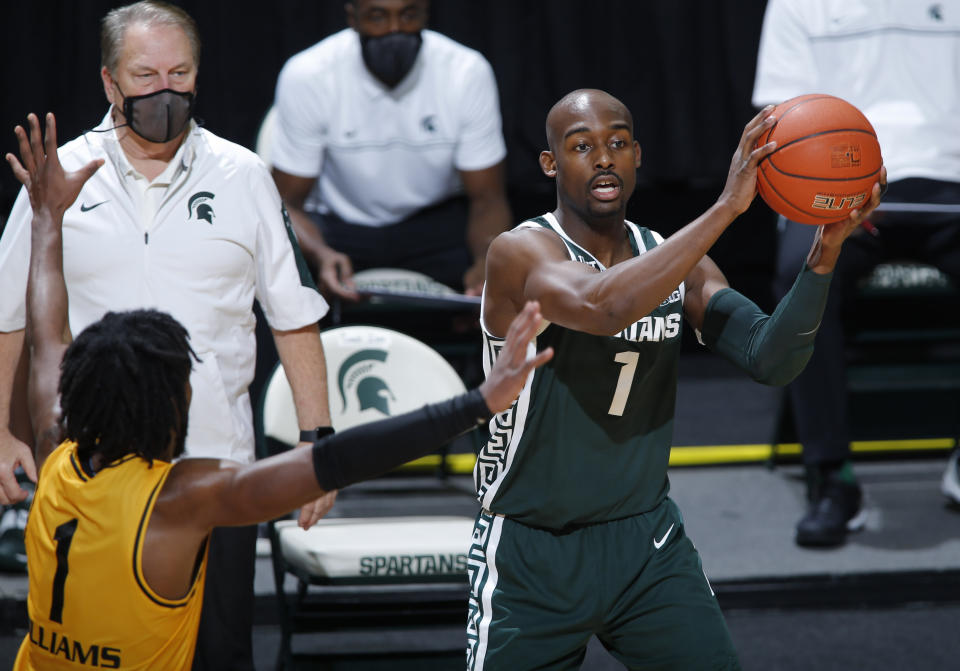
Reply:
x=369, y=450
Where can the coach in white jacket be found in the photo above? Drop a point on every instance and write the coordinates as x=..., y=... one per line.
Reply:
x=179, y=220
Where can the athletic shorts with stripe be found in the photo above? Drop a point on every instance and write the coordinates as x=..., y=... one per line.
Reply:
x=636, y=583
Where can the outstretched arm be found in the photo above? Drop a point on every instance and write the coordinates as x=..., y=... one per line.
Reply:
x=774, y=348
x=205, y=493
x=200, y=494
x=51, y=191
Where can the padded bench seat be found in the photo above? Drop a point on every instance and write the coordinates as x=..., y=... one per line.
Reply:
x=371, y=549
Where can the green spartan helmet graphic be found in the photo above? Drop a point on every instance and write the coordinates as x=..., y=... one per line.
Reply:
x=372, y=391
x=199, y=206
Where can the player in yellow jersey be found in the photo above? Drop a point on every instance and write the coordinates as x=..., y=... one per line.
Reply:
x=117, y=534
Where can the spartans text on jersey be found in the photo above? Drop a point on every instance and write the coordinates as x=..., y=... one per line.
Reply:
x=652, y=329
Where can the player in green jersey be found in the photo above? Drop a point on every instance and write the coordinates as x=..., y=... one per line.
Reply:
x=577, y=535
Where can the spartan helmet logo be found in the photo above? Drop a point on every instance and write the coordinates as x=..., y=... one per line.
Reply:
x=374, y=393
x=199, y=205
x=355, y=374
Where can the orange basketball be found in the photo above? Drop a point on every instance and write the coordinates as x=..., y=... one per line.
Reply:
x=826, y=161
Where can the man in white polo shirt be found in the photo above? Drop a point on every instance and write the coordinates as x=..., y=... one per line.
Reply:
x=179, y=220
x=897, y=62
x=379, y=128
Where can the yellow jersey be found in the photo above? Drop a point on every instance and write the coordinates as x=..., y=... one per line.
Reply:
x=89, y=604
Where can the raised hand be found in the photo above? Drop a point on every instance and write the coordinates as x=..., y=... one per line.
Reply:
x=510, y=371
x=14, y=453
x=48, y=185
x=741, y=186
x=336, y=273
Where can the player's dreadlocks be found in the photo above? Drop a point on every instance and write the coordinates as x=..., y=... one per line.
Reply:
x=123, y=386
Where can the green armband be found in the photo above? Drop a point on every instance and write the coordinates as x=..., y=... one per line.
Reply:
x=771, y=349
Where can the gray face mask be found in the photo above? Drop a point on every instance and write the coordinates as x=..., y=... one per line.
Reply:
x=159, y=116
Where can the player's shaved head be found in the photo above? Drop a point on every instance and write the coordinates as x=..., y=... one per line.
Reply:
x=578, y=105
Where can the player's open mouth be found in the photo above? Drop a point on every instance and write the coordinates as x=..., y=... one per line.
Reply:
x=605, y=187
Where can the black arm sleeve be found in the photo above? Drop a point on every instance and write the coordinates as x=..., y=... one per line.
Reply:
x=369, y=450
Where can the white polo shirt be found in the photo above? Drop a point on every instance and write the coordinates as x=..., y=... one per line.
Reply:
x=383, y=154
x=897, y=60
x=199, y=242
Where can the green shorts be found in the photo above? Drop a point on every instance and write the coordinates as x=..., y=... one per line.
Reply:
x=636, y=583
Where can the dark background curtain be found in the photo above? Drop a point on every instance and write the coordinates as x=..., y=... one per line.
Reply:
x=684, y=67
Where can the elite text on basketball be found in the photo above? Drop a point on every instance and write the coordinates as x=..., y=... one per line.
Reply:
x=825, y=202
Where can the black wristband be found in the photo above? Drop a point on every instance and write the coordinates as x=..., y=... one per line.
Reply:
x=313, y=435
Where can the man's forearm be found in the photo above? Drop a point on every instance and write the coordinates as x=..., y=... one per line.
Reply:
x=301, y=353
x=308, y=235
x=486, y=219
x=11, y=346
x=47, y=316
x=274, y=486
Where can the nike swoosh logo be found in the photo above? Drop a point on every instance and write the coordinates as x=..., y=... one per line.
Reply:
x=811, y=332
x=87, y=208
x=663, y=539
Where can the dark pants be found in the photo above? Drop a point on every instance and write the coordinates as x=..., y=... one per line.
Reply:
x=818, y=395
x=432, y=241
x=225, y=639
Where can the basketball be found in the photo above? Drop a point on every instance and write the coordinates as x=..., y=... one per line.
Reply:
x=826, y=161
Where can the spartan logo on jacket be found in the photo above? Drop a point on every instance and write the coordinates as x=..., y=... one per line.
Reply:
x=357, y=376
x=199, y=206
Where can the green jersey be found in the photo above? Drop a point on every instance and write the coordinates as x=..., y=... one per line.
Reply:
x=588, y=439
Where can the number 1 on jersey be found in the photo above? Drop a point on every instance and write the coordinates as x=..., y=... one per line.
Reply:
x=63, y=535
x=624, y=382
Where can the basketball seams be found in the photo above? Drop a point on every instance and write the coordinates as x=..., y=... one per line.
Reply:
x=824, y=179
x=813, y=135
x=768, y=185
x=812, y=96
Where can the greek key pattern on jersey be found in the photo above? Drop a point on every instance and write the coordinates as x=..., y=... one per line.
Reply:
x=493, y=456
x=478, y=572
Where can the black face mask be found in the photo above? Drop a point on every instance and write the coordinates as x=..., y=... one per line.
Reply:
x=390, y=57
x=159, y=116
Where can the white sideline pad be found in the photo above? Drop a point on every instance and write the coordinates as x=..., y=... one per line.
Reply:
x=379, y=547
